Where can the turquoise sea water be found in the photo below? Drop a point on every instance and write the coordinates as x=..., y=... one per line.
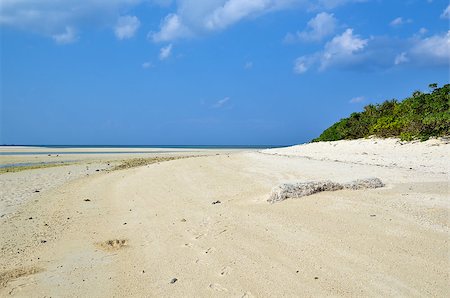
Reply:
x=143, y=147
x=156, y=146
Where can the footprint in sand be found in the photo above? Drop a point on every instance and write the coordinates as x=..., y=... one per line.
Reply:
x=210, y=250
x=225, y=270
x=10, y=275
x=218, y=288
x=201, y=262
x=112, y=245
x=196, y=235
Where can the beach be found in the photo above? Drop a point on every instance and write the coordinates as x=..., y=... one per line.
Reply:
x=197, y=223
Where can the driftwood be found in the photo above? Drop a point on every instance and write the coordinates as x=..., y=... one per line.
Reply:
x=298, y=190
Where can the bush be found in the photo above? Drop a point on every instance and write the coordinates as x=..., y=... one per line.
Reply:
x=421, y=116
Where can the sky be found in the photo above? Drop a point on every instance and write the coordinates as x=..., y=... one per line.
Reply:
x=223, y=72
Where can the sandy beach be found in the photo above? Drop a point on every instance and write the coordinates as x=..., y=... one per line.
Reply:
x=201, y=226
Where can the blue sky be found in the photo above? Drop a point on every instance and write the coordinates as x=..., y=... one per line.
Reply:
x=209, y=71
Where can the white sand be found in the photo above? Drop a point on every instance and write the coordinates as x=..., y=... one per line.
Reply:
x=17, y=188
x=392, y=241
x=427, y=156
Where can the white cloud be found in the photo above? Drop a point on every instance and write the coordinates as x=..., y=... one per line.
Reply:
x=446, y=13
x=396, y=21
x=322, y=25
x=423, y=31
x=126, y=27
x=233, y=11
x=220, y=103
x=48, y=17
x=400, y=21
x=401, y=58
x=188, y=18
x=357, y=99
x=194, y=17
x=350, y=51
x=147, y=64
x=165, y=52
x=433, y=50
x=171, y=28
x=290, y=38
x=342, y=48
x=346, y=43
x=330, y=4
x=199, y=16
x=301, y=64
x=68, y=36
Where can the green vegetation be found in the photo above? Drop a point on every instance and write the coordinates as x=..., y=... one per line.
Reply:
x=421, y=116
x=139, y=162
x=14, y=169
x=124, y=164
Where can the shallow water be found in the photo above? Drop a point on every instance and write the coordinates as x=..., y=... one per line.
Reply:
x=175, y=147
x=26, y=164
x=154, y=146
x=53, y=153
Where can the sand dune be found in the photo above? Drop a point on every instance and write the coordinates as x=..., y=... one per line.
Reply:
x=154, y=231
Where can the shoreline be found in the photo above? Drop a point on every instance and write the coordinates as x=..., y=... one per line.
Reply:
x=42, y=155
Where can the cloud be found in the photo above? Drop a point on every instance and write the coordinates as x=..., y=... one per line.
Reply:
x=48, y=17
x=248, y=65
x=171, y=28
x=126, y=27
x=330, y=4
x=423, y=31
x=322, y=25
x=188, y=17
x=147, y=64
x=193, y=17
x=165, y=52
x=446, y=13
x=221, y=102
x=357, y=99
x=301, y=64
x=342, y=48
x=201, y=16
x=196, y=17
x=341, y=51
x=350, y=51
x=68, y=36
x=233, y=11
x=401, y=58
x=51, y=17
x=399, y=21
x=433, y=50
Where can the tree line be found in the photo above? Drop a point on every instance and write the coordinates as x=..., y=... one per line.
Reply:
x=421, y=116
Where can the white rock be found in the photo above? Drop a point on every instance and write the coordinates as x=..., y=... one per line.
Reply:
x=298, y=190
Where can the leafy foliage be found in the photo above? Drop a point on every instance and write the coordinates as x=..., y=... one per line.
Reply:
x=420, y=116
